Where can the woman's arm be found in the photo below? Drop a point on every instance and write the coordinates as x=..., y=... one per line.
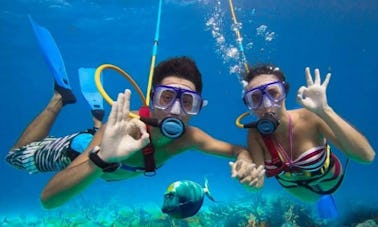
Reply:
x=254, y=147
x=256, y=175
x=345, y=137
x=341, y=133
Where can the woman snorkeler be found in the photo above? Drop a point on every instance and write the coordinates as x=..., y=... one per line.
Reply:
x=292, y=145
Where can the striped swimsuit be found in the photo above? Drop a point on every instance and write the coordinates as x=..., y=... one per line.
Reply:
x=314, y=164
x=310, y=161
x=51, y=153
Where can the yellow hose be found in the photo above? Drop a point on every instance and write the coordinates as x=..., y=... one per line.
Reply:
x=149, y=85
x=123, y=73
x=241, y=116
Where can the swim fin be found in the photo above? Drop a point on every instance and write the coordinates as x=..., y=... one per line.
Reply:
x=54, y=61
x=327, y=207
x=91, y=94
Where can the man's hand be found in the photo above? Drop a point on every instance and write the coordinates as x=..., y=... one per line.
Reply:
x=247, y=173
x=123, y=136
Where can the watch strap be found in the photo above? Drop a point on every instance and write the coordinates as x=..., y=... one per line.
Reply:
x=105, y=166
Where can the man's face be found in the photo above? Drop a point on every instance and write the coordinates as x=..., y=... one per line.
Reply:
x=176, y=109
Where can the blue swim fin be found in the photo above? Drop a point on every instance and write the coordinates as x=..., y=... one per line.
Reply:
x=54, y=61
x=51, y=54
x=91, y=94
x=327, y=207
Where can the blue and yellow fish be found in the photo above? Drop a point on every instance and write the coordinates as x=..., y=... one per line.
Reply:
x=184, y=198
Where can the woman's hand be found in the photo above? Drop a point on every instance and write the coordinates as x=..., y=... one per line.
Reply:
x=247, y=173
x=313, y=97
x=123, y=135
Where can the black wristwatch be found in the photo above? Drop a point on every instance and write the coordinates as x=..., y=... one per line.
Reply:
x=105, y=166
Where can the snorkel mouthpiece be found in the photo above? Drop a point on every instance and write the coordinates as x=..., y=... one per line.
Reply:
x=172, y=127
x=266, y=125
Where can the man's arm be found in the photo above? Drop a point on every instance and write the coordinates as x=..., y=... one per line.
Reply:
x=72, y=180
x=208, y=144
x=120, y=138
x=241, y=169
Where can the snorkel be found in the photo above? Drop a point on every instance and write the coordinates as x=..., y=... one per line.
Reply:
x=266, y=125
x=170, y=127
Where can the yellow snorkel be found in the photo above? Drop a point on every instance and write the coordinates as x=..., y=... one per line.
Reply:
x=239, y=118
x=239, y=39
x=268, y=123
x=244, y=59
x=145, y=101
x=170, y=127
x=126, y=75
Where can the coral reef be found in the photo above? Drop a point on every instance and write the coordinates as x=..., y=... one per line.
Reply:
x=254, y=211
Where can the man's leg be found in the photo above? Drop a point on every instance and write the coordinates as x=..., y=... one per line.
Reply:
x=40, y=127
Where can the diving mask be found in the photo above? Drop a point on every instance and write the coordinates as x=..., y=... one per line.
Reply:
x=164, y=97
x=270, y=95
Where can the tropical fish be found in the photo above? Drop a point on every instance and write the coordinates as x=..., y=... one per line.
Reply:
x=184, y=198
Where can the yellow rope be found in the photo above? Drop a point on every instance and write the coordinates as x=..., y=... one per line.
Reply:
x=238, y=36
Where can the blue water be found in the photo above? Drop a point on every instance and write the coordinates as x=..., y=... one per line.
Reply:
x=338, y=37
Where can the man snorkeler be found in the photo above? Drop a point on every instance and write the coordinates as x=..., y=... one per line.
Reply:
x=112, y=154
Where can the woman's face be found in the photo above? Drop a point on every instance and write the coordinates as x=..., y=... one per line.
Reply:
x=265, y=93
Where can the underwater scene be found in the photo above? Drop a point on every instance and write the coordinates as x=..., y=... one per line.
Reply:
x=221, y=36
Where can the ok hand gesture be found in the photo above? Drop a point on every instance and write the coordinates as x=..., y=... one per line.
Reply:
x=313, y=97
x=123, y=136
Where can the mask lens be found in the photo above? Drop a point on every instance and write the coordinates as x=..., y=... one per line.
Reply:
x=167, y=97
x=187, y=102
x=275, y=92
x=191, y=102
x=254, y=98
x=163, y=97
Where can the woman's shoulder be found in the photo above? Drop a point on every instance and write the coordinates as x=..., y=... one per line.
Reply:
x=304, y=115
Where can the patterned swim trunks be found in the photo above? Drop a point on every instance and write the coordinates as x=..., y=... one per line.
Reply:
x=49, y=154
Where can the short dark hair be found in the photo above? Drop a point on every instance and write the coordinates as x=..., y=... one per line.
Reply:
x=182, y=67
x=266, y=68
